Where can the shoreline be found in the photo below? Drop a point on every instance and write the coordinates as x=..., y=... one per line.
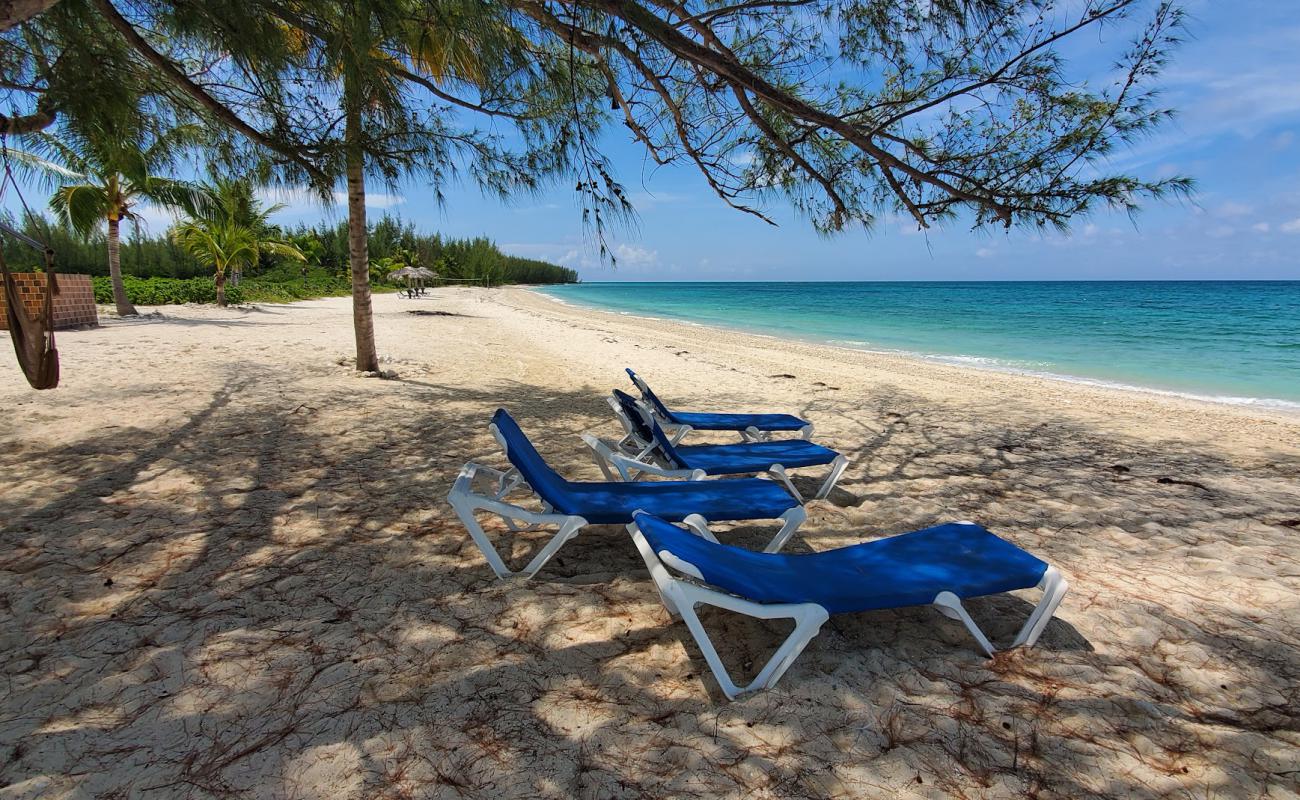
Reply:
x=1285, y=407
x=1262, y=409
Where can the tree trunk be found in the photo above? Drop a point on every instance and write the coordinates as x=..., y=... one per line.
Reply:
x=15, y=12
x=124, y=307
x=221, y=288
x=362, y=319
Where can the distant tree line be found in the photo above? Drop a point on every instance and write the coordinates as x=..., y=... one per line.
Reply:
x=394, y=243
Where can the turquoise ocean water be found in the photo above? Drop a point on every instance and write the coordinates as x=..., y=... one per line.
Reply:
x=1233, y=341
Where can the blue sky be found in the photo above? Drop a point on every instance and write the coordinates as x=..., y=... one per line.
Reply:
x=1235, y=84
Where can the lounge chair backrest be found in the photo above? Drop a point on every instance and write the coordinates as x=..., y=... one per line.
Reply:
x=633, y=413
x=650, y=396
x=648, y=430
x=524, y=457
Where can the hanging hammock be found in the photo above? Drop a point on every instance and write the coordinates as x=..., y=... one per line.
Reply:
x=33, y=336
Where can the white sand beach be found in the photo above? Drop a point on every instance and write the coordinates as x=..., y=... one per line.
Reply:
x=228, y=569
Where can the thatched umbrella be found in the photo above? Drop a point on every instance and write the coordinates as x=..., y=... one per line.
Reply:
x=408, y=274
x=422, y=274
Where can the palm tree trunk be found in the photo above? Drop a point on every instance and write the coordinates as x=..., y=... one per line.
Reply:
x=362, y=318
x=124, y=307
x=221, y=288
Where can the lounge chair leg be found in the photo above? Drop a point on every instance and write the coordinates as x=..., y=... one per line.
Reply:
x=837, y=469
x=950, y=606
x=600, y=462
x=808, y=619
x=566, y=532
x=752, y=434
x=465, y=508
x=806, y=432
x=466, y=513
x=662, y=580
x=791, y=520
x=780, y=474
x=1054, y=586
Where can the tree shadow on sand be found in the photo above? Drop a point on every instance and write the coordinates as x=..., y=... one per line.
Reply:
x=257, y=601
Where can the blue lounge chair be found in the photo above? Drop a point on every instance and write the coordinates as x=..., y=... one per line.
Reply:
x=942, y=566
x=751, y=427
x=573, y=506
x=646, y=449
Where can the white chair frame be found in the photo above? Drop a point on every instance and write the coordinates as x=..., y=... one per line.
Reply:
x=683, y=591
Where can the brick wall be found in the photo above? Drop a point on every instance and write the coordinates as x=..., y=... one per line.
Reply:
x=74, y=305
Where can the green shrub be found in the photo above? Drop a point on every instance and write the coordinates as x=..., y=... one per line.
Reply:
x=288, y=283
x=277, y=286
x=166, y=291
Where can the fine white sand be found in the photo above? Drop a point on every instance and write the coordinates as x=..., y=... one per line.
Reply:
x=227, y=569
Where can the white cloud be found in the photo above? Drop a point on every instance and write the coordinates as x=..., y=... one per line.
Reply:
x=373, y=200
x=644, y=201
x=1260, y=227
x=1233, y=209
x=985, y=252
x=300, y=201
x=1290, y=227
x=743, y=159
x=906, y=224
x=1221, y=231
x=633, y=256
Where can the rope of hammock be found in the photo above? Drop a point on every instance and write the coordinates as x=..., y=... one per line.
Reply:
x=33, y=336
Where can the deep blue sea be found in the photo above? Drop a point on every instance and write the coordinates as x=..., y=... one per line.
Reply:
x=1233, y=341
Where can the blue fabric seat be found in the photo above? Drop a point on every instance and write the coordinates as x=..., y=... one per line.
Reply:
x=744, y=457
x=703, y=421
x=719, y=422
x=911, y=569
x=725, y=459
x=614, y=503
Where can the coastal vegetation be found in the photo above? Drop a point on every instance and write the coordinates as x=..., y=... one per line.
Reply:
x=157, y=270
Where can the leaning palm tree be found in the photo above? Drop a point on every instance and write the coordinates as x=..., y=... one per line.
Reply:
x=226, y=245
x=105, y=174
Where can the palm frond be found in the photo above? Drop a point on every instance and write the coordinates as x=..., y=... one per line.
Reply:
x=83, y=206
x=191, y=198
x=44, y=172
x=282, y=249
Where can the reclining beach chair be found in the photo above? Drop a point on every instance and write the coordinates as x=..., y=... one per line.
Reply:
x=573, y=506
x=645, y=449
x=751, y=427
x=942, y=566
